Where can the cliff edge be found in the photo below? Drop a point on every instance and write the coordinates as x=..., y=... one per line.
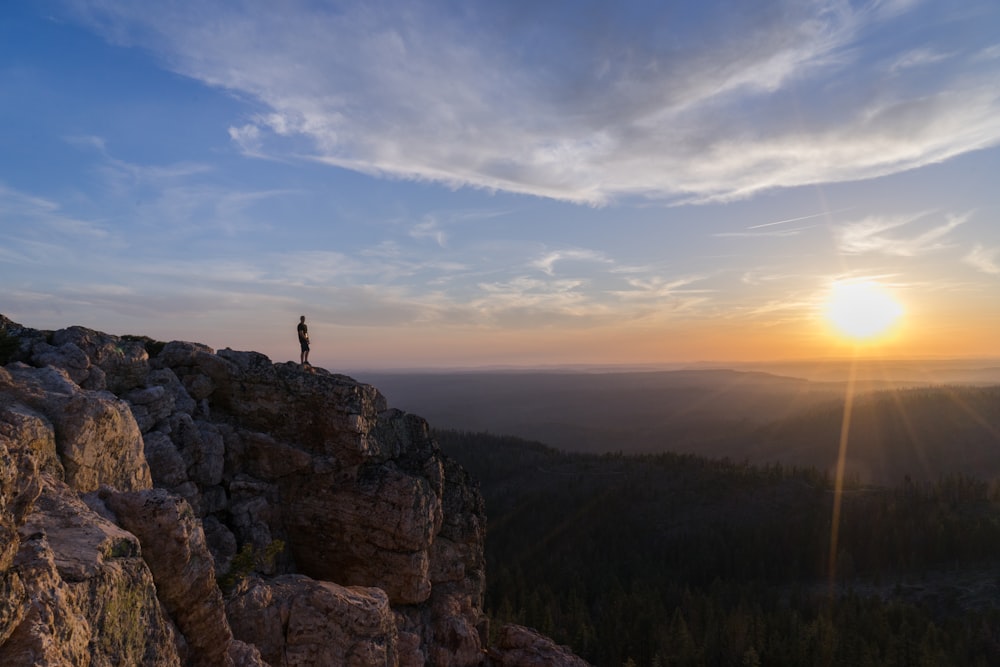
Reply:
x=169, y=504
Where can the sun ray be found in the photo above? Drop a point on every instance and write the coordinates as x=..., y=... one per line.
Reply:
x=838, y=480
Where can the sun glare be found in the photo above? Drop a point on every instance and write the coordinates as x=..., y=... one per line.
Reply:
x=862, y=310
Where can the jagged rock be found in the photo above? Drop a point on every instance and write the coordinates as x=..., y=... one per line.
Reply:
x=16, y=341
x=455, y=637
x=165, y=463
x=456, y=629
x=98, y=440
x=20, y=486
x=261, y=456
x=88, y=596
x=324, y=414
x=166, y=378
x=221, y=542
x=245, y=655
x=519, y=646
x=367, y=526
x=125, y=362
x=173, y=544
x=360, y=486
x=68, y=357
x=295, y=620
x=254, y=512
x=48, y=630
x=246, y=454
x=213, y=499
x=458, y=556
x=27, y=446
x=150, y=406
x=12, y=597
x=202, y=447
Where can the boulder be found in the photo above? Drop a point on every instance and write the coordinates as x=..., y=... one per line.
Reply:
x=97, y=438
x=295, y=620
x=150, y=406
x=518, y=646
x=20, y=487
x=68, y=357
x=88, y=597
x=174, y=546
x=322, y=413
x=123, y=361
x=372, y=525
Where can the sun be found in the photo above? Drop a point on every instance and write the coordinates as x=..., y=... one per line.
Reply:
x=862, y=310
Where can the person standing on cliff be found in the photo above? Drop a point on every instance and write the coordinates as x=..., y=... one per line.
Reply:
x=303, y=340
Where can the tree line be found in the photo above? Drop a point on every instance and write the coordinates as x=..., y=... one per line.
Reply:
x=674, y=559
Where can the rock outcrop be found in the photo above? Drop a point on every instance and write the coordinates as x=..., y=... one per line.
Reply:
x=297, y=620
x=169, y=504
x=518, y=646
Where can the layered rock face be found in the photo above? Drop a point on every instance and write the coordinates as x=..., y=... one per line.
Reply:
x=136, y=476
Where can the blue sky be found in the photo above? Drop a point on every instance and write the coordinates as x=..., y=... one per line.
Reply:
x=523, y=183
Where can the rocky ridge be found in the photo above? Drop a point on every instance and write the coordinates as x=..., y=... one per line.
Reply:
x=169, y=504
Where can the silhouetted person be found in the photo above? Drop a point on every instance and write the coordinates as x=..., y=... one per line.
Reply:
x=303, y=340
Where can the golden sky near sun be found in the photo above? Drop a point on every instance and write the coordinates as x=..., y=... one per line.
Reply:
x=862, y=310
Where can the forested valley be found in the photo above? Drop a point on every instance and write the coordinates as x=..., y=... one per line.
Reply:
x=898, y=430
x=675, y=559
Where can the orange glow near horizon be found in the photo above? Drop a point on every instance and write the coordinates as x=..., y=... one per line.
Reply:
x=808, y=336
x=936, y=325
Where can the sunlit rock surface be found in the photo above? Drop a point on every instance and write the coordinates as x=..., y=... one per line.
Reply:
x=167, y=504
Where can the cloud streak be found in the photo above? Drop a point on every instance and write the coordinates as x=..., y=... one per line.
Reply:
x=877, y=235
x=601, y=106
x=984, y=259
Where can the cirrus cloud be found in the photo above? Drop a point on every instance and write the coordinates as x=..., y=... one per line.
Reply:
x=598, y=106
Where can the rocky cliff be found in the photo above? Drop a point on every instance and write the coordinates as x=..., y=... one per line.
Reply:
x=168, y=504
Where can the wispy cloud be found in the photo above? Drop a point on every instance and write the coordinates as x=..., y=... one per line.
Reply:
x=547, y=263
x=654, y=295
x=531, y=302
x=179, y=200
x=411, y=91
x=984, y=259
x=880, y=235
x=31, y=217
x=763, y=277
x=430, y=227
x=991, y=52
x=659, y=287
x=918, y=58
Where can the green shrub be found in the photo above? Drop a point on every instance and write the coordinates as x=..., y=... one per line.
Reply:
x=249, y=560
x=9, y=347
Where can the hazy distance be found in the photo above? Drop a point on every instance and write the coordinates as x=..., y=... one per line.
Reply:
x=921, y=419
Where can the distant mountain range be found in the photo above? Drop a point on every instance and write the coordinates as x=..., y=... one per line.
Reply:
x=909, y=418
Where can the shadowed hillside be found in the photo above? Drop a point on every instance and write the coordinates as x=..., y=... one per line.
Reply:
x=602, y=412
x=920, y=433
x=675, y=559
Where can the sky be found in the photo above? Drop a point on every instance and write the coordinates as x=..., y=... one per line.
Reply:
x=519, y=183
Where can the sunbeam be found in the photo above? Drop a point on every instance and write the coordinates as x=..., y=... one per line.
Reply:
x=838, y=483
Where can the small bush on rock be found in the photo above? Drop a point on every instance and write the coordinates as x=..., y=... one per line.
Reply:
x=249, y=560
